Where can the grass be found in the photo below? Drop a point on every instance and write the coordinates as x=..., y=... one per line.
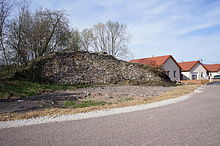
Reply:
x=125, y=99
x=82, y=104
x=6, y=73
x=17, y=88
x=176, y=92
x=12, y=88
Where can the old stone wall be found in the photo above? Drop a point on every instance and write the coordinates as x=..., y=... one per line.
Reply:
x=96, y=68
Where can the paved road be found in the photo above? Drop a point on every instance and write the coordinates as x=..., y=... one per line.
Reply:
x=195, y=121
x=214, y=83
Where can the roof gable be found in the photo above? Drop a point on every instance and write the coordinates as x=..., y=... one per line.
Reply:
x=155, y=61
x=187, y=66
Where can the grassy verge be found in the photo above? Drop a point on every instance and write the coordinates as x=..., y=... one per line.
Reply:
x=17, y=88
x=11, y=88
x=176, y=92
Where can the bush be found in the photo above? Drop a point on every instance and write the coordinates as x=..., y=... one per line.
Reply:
x=34, y=70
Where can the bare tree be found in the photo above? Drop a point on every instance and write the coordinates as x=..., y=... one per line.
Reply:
x=19, y=33
x=5, y=9
x=36, y=34
x=118, y=38
x=111, y=37
x=79, y=40
x=74, y=43
x=51, y=31
x=99, y=38
x=86, y=38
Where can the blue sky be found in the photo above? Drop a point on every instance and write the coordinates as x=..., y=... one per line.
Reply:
x=187, y=29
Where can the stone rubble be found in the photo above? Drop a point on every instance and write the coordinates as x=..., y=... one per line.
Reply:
x=95, y=68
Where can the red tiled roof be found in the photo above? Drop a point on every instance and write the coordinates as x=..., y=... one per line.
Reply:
x=212, y=67
x=186, y=66
x=155, y=61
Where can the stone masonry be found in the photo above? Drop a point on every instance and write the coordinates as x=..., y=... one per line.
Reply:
x=97, y=68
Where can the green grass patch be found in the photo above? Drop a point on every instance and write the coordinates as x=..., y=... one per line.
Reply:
x=11, y=87
x=125, y=99
x=82, y=104
x=17, y=88
x=5, y=74
x=128, y=99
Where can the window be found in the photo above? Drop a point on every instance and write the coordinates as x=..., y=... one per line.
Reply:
x=201, y=74
x=194, y=75
x=174, y=73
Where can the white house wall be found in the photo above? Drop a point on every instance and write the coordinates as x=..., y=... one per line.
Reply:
x=197, y=69
x=186, y=75
x=212, y=74
x=171, y=66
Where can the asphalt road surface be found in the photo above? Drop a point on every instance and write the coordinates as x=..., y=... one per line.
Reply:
x=195, y=121
x=214, y=83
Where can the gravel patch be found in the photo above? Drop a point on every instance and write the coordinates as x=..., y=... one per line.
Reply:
x=122, y=91
x=94, y=114
x=56, y=99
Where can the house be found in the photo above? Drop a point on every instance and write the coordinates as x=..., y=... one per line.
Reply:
x=167, y=63
x=193, y=70
x=213, y=69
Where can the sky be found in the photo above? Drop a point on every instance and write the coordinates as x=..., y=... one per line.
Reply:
x=187, y=29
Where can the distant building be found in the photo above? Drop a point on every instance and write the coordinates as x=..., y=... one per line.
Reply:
x=213, y=69
x=167, y=63
x=193, y=70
